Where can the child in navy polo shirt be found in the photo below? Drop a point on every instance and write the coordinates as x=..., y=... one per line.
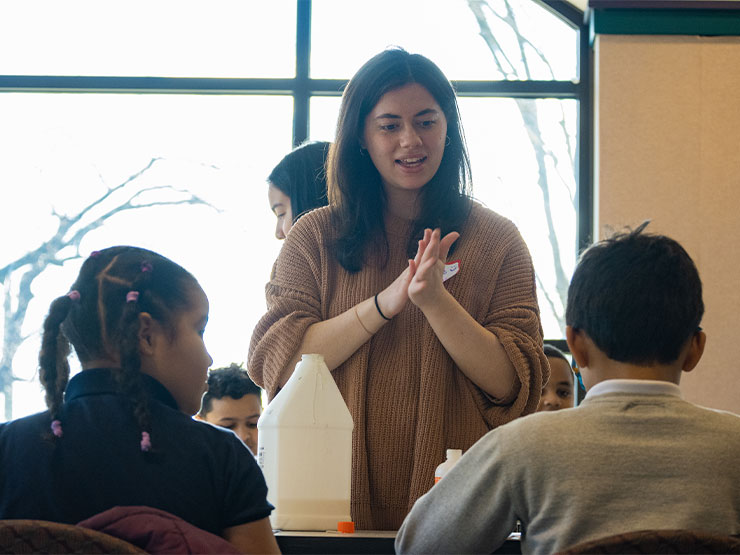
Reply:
x=120, y=432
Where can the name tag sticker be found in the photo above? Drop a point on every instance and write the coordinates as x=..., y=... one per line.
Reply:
x=451, y=268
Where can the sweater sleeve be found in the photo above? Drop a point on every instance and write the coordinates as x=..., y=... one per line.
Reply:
x=513, y=317
x=293, y=297
x=471, y=510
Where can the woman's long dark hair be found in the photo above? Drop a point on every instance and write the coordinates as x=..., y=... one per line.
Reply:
x=355, y=186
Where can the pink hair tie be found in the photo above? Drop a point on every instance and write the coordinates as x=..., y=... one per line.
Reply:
x=146, y=442
x=146, y=267
x=132, y=296
x=94, y=254
x=74, y=295
x=56, y=428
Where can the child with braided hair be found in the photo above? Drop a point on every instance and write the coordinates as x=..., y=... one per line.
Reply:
x=120, y=432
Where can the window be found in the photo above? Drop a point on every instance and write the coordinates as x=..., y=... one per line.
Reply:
x=188, y=106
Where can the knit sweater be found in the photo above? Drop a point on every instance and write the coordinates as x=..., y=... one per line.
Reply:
x=621, y=461
x=408, y=399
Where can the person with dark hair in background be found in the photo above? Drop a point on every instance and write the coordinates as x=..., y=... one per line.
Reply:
x=430, y=351
x=120, y=433
x=298, y=184
x=233, y=401
x=632, y=456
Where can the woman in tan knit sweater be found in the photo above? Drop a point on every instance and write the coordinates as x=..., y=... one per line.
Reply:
x=427, y=355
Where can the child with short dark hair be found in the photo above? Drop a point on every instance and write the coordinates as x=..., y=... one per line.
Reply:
x=233, y=401
x=558, y=392
x=120, y=432
x=643, y=458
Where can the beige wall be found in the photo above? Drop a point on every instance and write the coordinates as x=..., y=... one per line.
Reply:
x=667, y=148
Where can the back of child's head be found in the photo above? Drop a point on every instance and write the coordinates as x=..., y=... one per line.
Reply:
x=232, y=381
x=100, y=318
x=638, y=297
x=301, y=176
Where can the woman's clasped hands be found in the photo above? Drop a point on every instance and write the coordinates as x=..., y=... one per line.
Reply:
x=421, y=282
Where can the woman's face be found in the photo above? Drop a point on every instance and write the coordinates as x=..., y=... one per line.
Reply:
x=405, y=138
x=280, y=206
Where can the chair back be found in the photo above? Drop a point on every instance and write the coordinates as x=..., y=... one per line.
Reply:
x=659, y=541
x=41, y=536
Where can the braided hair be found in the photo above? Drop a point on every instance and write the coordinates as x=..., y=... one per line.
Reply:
x=100, y=319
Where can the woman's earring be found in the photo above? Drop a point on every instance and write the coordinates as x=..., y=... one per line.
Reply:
x=447, y=141
x=363, y=151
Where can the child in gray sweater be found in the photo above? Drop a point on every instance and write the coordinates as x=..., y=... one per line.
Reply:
x=641, y=457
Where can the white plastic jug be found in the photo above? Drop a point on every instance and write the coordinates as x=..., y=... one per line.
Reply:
x=304, y=448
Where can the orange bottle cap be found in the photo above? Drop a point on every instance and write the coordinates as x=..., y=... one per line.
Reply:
x=346, y=527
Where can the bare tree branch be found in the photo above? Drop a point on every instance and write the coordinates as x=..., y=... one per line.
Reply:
x=129, y=205
x=494, y=46
x=530, y=117
x=65, y=222
x=118, y=187
x=69, y=233
x=541, y=287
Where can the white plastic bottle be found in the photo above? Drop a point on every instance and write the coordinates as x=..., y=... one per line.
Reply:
x=304, y=448
x=453, y=455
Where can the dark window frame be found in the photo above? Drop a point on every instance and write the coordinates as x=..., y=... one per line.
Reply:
x=302, y=88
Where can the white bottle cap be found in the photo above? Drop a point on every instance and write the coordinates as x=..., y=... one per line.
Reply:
x=454, y=454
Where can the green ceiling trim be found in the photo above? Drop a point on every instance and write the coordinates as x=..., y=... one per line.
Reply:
x=664, y=22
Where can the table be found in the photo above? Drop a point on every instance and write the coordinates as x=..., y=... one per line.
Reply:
x=362, y=541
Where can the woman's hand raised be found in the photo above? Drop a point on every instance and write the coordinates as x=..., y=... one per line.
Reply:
x=425, y=286
x=422, y=280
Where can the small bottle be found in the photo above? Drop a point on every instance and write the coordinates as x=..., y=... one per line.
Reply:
x=453, y=455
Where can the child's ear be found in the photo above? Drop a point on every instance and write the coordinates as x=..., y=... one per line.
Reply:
x=696, y=349
x=147, y=331
x=577, y=344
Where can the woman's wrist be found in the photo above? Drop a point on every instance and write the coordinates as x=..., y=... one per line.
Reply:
x=382, y=307
x=363, y=326
x=377, y=306
x=368, y=317
x=439, y=306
